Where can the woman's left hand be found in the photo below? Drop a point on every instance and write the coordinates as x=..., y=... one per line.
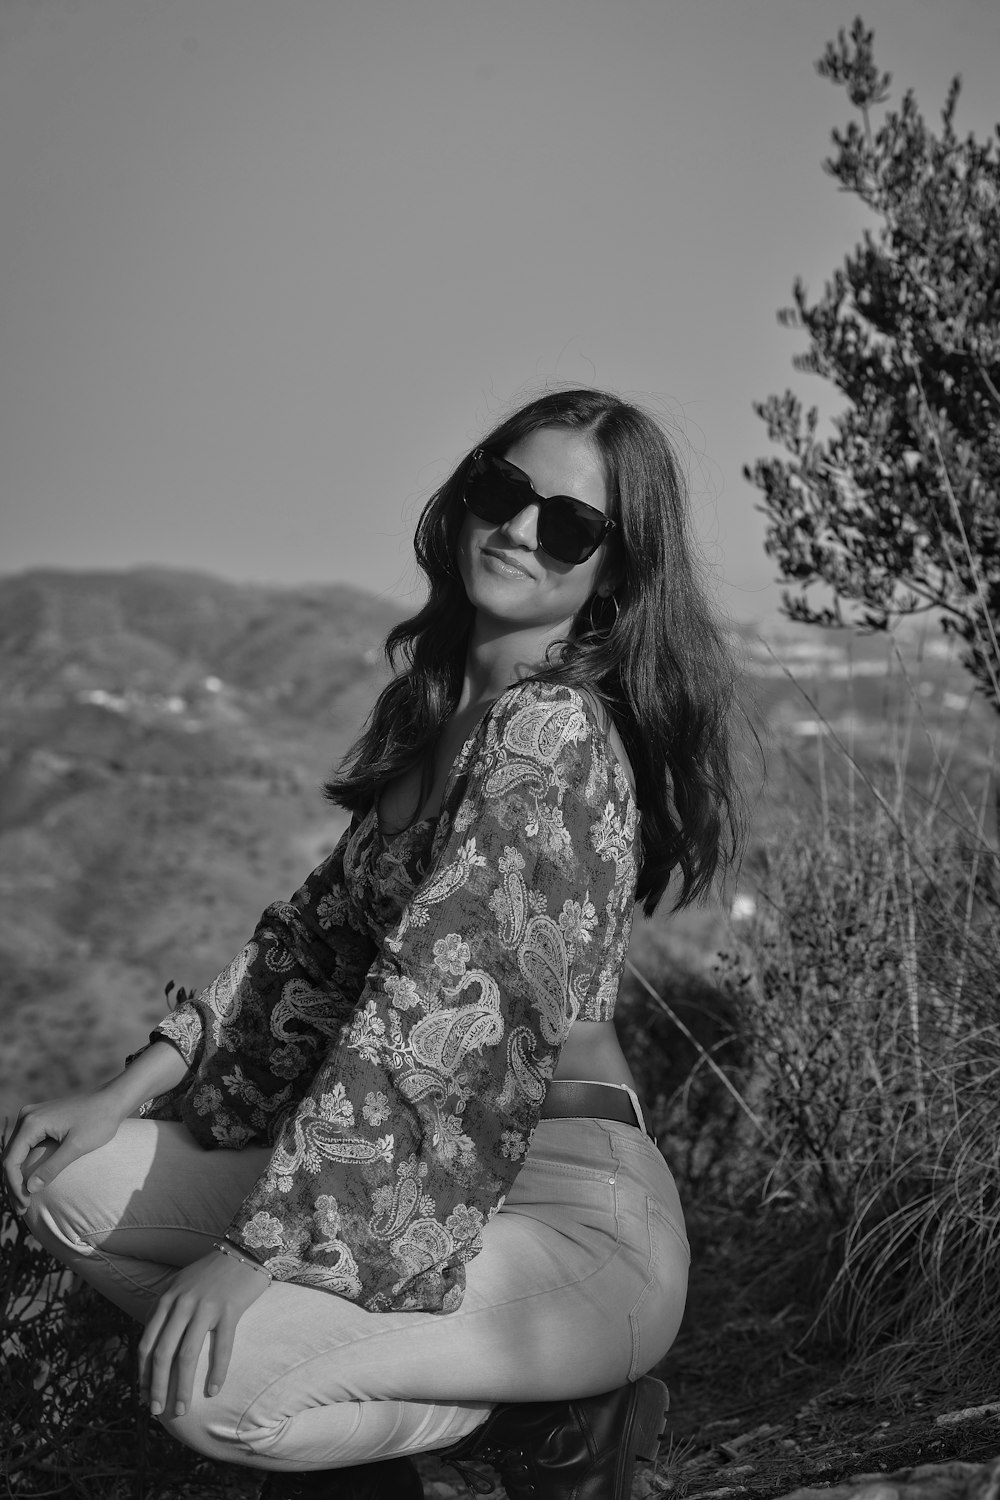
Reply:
x=205, y=1299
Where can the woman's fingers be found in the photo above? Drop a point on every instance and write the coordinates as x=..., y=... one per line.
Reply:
x=222, y=1349
x=40, y=1174
x=28, y=1134
x=208, y=1297
x=172, y=1359
x=170, y=1350
x=148, y=1344
x=185, y=1364
x=57, y=1133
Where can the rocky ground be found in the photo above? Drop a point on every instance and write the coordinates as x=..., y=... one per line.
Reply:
x=906, y=1459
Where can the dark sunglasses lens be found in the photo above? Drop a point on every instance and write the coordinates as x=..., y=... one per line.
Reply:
x=569, y=531
x=493, y=494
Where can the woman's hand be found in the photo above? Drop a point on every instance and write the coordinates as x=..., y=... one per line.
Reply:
x=205, y=1298
x=74, y=1126
x=84, y=1122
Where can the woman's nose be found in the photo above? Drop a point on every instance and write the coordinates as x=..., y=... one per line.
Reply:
x=522, y=529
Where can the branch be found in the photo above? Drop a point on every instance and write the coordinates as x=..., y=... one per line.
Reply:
x=991, y=666
x=699, y=1048
x=988, y=382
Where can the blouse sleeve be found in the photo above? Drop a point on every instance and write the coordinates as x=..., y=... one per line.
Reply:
x=255, y=1036
x=417, y=1120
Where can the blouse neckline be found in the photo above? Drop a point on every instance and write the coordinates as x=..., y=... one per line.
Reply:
x=454, y=771
x=391, y=838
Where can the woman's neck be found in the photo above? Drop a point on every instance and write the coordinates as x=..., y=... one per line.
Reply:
x=497, y=657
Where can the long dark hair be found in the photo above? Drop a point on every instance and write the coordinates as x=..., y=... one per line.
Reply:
x=653, y=654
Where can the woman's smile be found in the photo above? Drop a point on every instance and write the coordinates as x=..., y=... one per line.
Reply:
x=505, y=564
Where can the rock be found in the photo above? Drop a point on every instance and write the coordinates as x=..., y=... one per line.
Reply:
x=967, y=1414
x=949, y=1481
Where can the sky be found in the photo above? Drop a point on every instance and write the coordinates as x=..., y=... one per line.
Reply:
x=268, y=268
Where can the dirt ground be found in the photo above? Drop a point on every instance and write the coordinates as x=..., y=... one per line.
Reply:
x=757, y=1410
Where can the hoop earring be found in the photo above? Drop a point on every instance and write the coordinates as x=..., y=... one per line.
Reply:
x=595, y=630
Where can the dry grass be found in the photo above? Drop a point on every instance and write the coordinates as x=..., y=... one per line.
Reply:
x=867, y=1000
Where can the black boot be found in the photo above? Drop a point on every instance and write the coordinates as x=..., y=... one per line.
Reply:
x=567, y=1450
x=393, y=1479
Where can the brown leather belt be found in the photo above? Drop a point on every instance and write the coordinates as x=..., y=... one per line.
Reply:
x=567, y=1098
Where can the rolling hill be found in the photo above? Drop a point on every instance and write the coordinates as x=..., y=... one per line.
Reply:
x=164, y=739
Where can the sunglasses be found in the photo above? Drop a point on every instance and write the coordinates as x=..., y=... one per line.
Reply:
x=569, y=530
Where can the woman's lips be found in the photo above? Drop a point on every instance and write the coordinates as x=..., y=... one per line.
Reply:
x=504, y=564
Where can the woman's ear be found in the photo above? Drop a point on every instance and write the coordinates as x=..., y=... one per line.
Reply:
x=608, y=583
x=611, y=573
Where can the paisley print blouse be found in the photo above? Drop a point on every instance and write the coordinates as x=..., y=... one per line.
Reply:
x=391, y=1029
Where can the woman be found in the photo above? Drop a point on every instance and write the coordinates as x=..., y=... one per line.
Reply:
x=390, y=1190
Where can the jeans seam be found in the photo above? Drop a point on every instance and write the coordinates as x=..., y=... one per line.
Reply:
x=82, y=1239
x=82, y=1246
x=633, y=1317
x=114, y=1270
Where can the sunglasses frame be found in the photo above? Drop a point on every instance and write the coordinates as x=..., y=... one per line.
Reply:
x=579, y=508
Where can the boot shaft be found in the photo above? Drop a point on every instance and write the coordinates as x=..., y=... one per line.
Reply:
x=569, y=1450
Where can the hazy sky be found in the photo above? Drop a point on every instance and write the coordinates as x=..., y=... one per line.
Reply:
x=268, y=267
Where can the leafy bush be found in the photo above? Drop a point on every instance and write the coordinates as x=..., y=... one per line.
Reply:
x=897, y=509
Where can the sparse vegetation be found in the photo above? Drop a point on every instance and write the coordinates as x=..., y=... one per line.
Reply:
x=72, y=1422
x=872, y=1022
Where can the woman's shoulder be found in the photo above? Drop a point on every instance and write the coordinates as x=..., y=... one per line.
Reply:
x=542, y=719
x=542, y=700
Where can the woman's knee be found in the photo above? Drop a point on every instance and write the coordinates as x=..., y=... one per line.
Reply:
x=93, y=1194
x=316, y=1434
x=211, y=1428
x=51, y=1212
x=223, y=1427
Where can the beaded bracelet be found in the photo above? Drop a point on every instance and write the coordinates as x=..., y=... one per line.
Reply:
x=228, y=1250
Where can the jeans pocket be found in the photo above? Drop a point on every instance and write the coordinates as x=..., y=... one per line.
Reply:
x=656, y=1314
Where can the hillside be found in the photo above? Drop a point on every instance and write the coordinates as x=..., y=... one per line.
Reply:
x=164, y=739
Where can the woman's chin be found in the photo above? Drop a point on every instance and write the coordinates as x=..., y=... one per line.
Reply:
x=494, y=620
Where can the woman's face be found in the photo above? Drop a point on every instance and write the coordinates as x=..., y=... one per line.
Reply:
x=507, y=577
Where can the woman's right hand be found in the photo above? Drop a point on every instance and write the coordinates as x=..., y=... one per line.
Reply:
x=81, y=1123
x=84, y=1122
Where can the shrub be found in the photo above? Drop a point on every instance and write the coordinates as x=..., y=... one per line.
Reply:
x=872, y=1020
x=679, y=1032
x=72, y=1421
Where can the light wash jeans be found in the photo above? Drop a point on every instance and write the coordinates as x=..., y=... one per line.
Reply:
x=580, y=1286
